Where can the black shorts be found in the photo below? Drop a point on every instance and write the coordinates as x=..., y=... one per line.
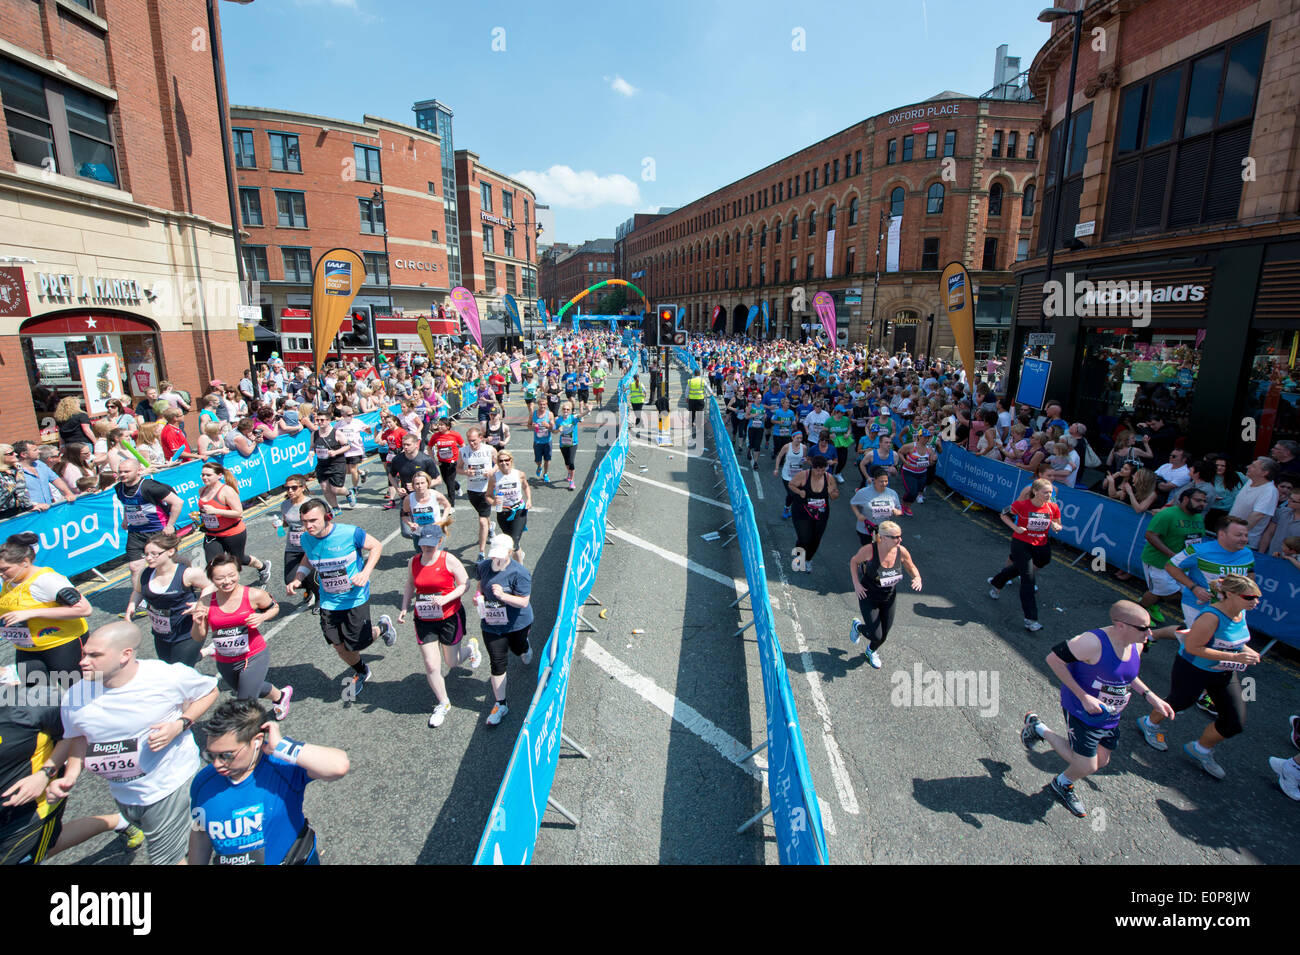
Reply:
x=697, y=404
x=29, y=843
x=478, y=500
x=351, y=627
x=336, y=478
x=354, y=460
x=449, y=631
x=135, y=541
x=583, y=394
x=1085, y=739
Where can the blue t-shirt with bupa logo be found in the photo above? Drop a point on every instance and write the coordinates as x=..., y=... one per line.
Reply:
x=253, y=822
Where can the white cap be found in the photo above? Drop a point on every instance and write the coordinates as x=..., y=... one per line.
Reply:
x=499, y=547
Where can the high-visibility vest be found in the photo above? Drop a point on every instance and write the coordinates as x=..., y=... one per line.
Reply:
x=695, y=389
x=635, y=393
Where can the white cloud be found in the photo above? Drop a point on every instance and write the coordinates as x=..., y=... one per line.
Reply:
x=562, y=186
x=621, y=86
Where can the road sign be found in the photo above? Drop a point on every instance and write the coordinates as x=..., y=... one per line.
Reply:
x=248, y=314
x=247, y=333
x=679, y=338
x=1041, y=339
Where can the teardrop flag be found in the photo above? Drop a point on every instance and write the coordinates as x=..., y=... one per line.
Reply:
x=335, y=282
x=956, y=294
x=824, y=305
x=467, y=308
x=765, y=318
x=681, y=314
x=749, y=319
x=512, y=308
x=426, y=334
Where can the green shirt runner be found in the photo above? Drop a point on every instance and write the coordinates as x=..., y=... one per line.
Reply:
x=1173, y=526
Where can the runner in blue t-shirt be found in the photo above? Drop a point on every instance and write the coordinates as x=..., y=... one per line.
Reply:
x=1201, y=564
x=783, y=421
x=246, y=807
x=771, y=401
x=333, y=550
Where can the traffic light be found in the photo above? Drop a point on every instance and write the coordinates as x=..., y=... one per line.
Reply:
x=361, y=330
x=667, y=321
x=649, y=330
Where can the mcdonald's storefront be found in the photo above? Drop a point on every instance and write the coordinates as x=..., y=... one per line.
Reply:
x=1208, y=336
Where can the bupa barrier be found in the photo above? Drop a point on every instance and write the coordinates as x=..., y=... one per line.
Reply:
x=525, y=791
x=794, y=808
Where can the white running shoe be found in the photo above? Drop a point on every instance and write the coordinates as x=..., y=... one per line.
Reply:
x=993, y=591
x=439, y=714
x=281, y=709
x=475, y=654
x=840, y=478
x=499, y=711
x=874, y=659
x=526, y=657
x=855, y=636
x=1288, y=775
x=1033, y=626
x=920, y=499
x=387, y=629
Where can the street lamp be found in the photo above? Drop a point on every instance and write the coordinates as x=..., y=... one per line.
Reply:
x=875, y=292
x=377, y=198
x=1048, y=16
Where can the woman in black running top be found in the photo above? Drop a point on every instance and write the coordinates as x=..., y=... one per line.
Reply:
x=813, y=491
x=876, y=571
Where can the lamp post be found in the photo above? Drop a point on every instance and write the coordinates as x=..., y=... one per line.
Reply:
x=1048, y=16
x=377, y=197
x=875, y=291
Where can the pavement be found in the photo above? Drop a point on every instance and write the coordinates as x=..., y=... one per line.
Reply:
x=666, y=699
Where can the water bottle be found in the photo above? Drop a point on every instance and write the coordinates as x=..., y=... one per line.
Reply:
x=480, y=606
x=279, y=526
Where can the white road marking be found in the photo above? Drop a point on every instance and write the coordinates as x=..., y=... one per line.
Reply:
x=758, y=484
x=676, y=490
x=738, y=585
x=839, y=772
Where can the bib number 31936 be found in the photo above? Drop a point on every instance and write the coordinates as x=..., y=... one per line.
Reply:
x=117, y=761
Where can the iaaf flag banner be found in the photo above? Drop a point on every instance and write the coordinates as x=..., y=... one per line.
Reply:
x=749, y=319
x=959, y=304
x=463, y=299
x=541, y=311
x=824, y=306
x=335, y=283
x=717, y=316
x=512, y=308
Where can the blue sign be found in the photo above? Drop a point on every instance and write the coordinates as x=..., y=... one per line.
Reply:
x=749, y=319
x=681, y=313
x=1032, y=389
x=512, y=307
x=765, y=319
x=541, y=311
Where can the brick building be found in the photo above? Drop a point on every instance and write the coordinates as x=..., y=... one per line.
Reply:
x=498, y=236
x=308, y=184
x=954, y=175
x=113, y=206
x=1181, y=188
x=581, y=268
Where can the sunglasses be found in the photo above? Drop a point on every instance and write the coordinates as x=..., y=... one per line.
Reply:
x=226, y=757
x=1251, y=596
x=1136, y=626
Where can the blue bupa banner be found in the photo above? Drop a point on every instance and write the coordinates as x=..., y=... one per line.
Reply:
x=516, y=816
x=795, y=811
x=1091, y=521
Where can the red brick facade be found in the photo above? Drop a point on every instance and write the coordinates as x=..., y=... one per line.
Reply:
x=512, y=225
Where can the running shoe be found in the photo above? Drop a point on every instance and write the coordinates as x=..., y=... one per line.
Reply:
x=840, y=478
x=353, y=685
x=873, y=658
x=920, y=499
x=1029, y=734
x=389, y=504
x=807, y=567
x=281, y=709
x=785, y=513
x=855, y=636
x=264, y=575
x=570, y=484
x=907, y=511
x=520, y=558
x=482, y=556
x=439, y=714
x=1033, y=626
x=352, y=497
x=1206, y=705
x=363, y=477
x=539, y=470
x=526, y=657
x=1207, y=761
x=475, y=654
x=499, y=711
x=1156, y=615
x=133, y=835
x=1154, y=737
x=547, y=477
x=1068, y=797
x=387, y=630
x=1295, y=731
x=1288, y=775
x=993, y=591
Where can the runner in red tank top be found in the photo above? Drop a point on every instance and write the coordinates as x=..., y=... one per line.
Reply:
x=435, y=585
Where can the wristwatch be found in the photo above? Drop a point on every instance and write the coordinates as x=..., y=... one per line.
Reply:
x=186, y=723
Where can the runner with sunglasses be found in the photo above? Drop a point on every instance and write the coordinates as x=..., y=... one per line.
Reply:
x=1031, y=548
x=509, y=492
x=876, y=571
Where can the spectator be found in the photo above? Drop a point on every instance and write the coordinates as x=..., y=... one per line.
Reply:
x=145, y=411
x=1174, y=473
x=40, y=480
x=1142, y=493
x=13, y=489
x=1285, y=523
x=232, y=401
x=243, y=438
x=1052, y=417
x=1116, y=484
x=1065, y=464
x=245, y=387
x=88, y=483
x=1158, y=436
x=174, y=445
x=73, y=423
x=1198, y=475
x=1285, y=453
x=173, y=397
x=78, y=461
x=210, y=440
x=1228, y=482
x=120, y=417
x=211, y=410
x=149, y=443
x=1257, y=501
x=264, y=421
x=289, y=422
x=1127, y=449
x=114, y=451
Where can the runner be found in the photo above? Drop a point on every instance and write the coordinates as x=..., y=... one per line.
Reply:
x=1031, y=547
x=530, y=390
x=332, y=550
x=1169, y=532
x=148, y=507
x=917, y=456
x=815, y=491
x=696, y=389
x=446, y=444
x=497, y=433
x=883, y=456
x=234, y=615
x=436, y=583
x=876, y=571
x=222, y=515
x=754, y=419
x=1097, y=670
x=791, y=460
x=1288, y=770
x=1202, y=563
x=170, y=591
x=509, y=492
x=1215, y=650
x=411, y=459
x=598, y=375
x=289, y=526
x=426, y=513
x=330, y=447
x=782, y=426
x=128, y=722
x=478, y=461
x=543, y=425
x=874, y=504
x=247, y=805
x=584, y=388
x=567, y=428
x=41, y=614
x=636, y=398
x=503, y=599
x=349, y=431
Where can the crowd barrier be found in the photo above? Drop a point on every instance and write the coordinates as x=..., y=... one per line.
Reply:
x=516, y=817
x=1093, y=521
x=795, y=812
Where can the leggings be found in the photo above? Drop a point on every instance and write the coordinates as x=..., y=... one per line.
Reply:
x=913, y=484
x=779, y=441
x=65, y=658
x=178, y=651
x=1025, y=558
x=248, y=676
x=1186, y=682
x=232, y=544
x=499, y=646
x=877, y=618
x=448, y=471
x=841, y=459
x=514, y=526
x=566, y=451
x=808, y=534
x=929, y=475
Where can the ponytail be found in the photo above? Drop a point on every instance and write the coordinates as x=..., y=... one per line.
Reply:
x=19, y=547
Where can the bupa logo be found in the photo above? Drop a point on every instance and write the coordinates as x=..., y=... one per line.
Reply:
x=292, y=456
x=87, y=529
x=244, y=822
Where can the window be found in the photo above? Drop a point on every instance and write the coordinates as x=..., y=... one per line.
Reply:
x=762, y=236
x=853, y=211
x=995, y=199
x=996, y=151
x=836, y=171
x=762, y=273
x=857, y=162
x=297, y=265
x=56, y=127
x=485, y=196
x=726, y=243
x=749, y=276
x=255, y=263
x=511, y=287
x=525, y=212
x=591, y=267
x=490, y=241
x=812, y=223
x=376, y=268
x=489, y=276
x=434, y=235
x=749, y=239
x=830, y=217
x=367, y=160
x=990, y=254
x=284, y=152
x=891, y=152
x=433, y=188
x=807, y=178
x=1076, y=147
x=1027, y=202
x=794, y=268
x=907, y=148
x=934, y=199
x=1181, y=138
x=250, y=206
x=291, y=209
x=528, y=247
x=815, y=173
x=811, y=258
x=950, y=143
x=930, y=254
x=372, y=216
x=826, y=175
x=1012, y=139
x=931, y=145
x=848, y=260
x=1031, y=146
x=245, y=156
x=896, y=201
x=508, y=206
x=778, y=232
x=794, y=227
x=509, y=238
x=776, y=270
x=1022, y=249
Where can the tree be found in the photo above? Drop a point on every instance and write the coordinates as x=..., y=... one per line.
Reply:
x=612, y=302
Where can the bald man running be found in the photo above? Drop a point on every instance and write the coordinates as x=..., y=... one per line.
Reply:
x=137, y=739
x=1097, y=670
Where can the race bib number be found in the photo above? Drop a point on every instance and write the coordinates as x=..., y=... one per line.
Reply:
x=295, y=535
x=1037, y=523
x=18, y=636
x=135, y=516
x=160, y=622
x=427, y=607
x=566, y=439
x=542, y=433
x=495, y=613
x=888, y=577
x=1191, y=539
x=333, y=575
x=881, y=509
x=422, y=515
x=1234, y=665
x=117, y=762
x=445, y=453
x=509, y=497
x=1114, y=695
x=211, y=522
x=231, y=641
x=815, y=506
x=1227, y=646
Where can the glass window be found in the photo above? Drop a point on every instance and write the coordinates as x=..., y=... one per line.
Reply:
x=849, y=256
x=778, y=232
x=749, y=239
x=1013, y=139
x=1272, y=396
x=89, y=136
x=836, y=171
x=853, y=211
x=434, y=235
x=297, y=265
x=794, y=227
x=794, y=267
x=830, y=217
x=1022, y=249
x=776, y=270
x=1080, y=127
x=997, y=143
x=1031, y=146
x=284, y=152
x=1132, y=112
x=250, y=206
x=367, y=160
x=762, y=236
x=812, y=223
x=891, y=152
x=934, y=199
x=1242, y=79
x=995, y=199
x=749, y=276
x=376, y=268
x=857, y=162
x=489, y=276
x=512, y=287
x=245, y=157
x=931, y=145
x=930, y=254
x=1203, y=94
x=509, y=238
x=372, y=216
x=255, y=263
x=990, y=254
x=1163, y=107
x=896, y=201
x=433, y=188
x=46, y=119
x=950, y=142
x=291, y=209
x=907, y=148
x=507, y=204
x=1027, y=202
x=485, y=196
x=811, y=268
x=1128, y=371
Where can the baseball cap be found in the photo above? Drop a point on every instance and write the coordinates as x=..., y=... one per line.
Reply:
x=500, y=546
x=431, y=536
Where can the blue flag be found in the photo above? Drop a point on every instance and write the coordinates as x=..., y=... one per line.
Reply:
x=513, y=309
x=541, y=310
x=753, y=314
x=765, y=321
x=681, y=313
x=577, y=310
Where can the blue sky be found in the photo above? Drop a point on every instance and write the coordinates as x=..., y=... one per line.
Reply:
x=613, y=108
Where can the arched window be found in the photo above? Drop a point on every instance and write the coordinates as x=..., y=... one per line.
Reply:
x=794, y=227
x=934, y=199
x=762, y=236
x=853, y=211
x=1027, y=203
x=830, y=217
x=896, y=201
x=778, y=230
x=812, y=223
x=995, y=199
x=749, y=239
x=726, y=247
